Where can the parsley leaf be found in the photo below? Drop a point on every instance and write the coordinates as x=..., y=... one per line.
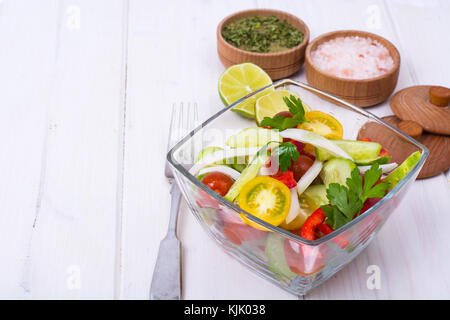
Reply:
x=347, y=201
x=335, y=219
x=370, y=178
x=286, y=152
x=280, y=122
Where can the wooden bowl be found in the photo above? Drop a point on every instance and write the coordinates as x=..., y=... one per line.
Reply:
x=278, y=65
x=361, y=92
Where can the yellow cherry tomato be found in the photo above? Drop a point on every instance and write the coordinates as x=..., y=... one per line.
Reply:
x=307, y=206
x=322, y=124
x=267, y=199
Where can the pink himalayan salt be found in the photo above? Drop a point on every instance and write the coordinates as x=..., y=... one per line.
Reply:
x=352, y=58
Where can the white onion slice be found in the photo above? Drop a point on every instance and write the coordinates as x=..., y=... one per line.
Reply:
x=316, y=140
x=265, y=171
x=294, y=209
x=221, y=155
x=224, y=169
x=385, y=168
x=309, y=176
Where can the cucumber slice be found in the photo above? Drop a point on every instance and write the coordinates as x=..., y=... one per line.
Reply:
x=220, y=157
x=337, y=170
x=237, y=163
x=318, y=193
x=206, y=151
x=238, y=166
x=358, y=150
x=275, y=256
x=398, y=174
x=316, y=140
x=248, y=173
x=253, y=137
x=379, y=160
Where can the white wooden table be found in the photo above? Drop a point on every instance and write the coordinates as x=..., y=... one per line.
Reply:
x=86, y=86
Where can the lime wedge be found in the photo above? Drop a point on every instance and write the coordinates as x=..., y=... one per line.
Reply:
x=272, y=103
x=398, y=174
x=240, y=80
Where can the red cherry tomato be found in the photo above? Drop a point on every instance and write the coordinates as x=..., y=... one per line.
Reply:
x=300, y=166
x=218, y=182
x=284, y=114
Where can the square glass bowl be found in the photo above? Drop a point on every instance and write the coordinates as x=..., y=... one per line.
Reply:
x=289, y=261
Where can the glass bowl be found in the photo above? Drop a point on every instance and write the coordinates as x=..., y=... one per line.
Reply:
x=289, y=261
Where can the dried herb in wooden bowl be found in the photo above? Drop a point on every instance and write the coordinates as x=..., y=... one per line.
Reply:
x=262, y=34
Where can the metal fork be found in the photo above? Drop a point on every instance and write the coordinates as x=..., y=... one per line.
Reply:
x=166, y=281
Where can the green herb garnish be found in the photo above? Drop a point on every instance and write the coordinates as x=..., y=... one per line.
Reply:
x=346, y=202
x=286, y=152
x=280, y=122
x=262, y=34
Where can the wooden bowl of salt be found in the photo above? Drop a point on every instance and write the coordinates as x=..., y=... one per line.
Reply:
x=357, y=66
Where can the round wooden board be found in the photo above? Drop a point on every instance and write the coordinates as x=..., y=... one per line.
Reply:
x=413, y=104
x=438, y=145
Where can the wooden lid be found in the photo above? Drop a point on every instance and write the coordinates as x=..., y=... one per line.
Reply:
x=413, y=104
x=438, y=145
x=439, y=96
x=411, y=128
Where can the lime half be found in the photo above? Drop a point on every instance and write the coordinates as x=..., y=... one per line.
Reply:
x=240, y=80
x=272, y=103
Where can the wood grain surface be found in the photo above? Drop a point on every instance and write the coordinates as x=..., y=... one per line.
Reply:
x=438, y=145
x=413, y=103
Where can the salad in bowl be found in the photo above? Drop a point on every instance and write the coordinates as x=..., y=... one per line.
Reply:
x=289, y=194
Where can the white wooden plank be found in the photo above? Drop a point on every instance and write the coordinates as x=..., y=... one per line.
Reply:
x=63, y=111
x=25, y=81
x=426, y=41
x=72, y=250
x=180, y=52
x=409, y=251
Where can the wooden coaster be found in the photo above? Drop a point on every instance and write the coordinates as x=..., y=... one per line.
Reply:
x=413, y=103
x=438, y=145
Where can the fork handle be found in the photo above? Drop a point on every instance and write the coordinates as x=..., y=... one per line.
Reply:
x=166, y=281
x=174, y=207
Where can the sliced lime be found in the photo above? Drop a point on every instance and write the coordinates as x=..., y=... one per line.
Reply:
x=240, y=80
x=272, y=103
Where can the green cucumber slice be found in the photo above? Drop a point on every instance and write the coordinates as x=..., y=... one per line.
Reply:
x=337, y=170
x=398, y=174
x=206, y=151
x=379, y=160
x=248, y=173
x=318, y=193
x=237, y=163
x=276, y=257
x=358, y=150
x=253, y=137
x=238, y=166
